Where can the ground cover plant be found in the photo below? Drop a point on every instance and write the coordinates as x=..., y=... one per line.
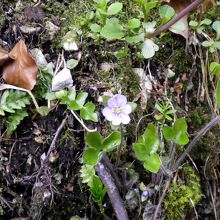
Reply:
x=109, y=109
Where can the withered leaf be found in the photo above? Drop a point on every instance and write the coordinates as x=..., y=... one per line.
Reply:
x=179, y=6
x=3, y=56
x=207, y=4
x=21, y=71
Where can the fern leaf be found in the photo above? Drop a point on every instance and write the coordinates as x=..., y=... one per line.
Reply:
x=14, y=120
x=12, y=100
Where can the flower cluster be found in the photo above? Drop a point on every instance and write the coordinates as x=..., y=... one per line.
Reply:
x=117, y=110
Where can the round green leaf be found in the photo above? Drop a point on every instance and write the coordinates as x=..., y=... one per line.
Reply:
x=218, y=94
x=152, y=163
x=111, y=142
x=166, y=13
x=140, y=151
x=94, y=140
x=214, y=68
x=72, y=63
x=95, y=28
x=87, y=112
x=134, y=23
x=91, y=156
x=112, y=31
x=114, y=8
x=216, y=27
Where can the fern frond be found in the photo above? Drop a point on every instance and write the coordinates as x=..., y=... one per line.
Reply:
x=15, y=119
x=12, y=100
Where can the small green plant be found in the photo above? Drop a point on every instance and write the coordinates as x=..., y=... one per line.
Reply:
x=96, y=187
x=199, y=27
x=177, y=133
x=146, y=149
x=75, y=102
x=97, y=146
x=165, y=112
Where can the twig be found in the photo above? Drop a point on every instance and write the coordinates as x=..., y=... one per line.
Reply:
x=82, y=123
x=113, y=193
x=181, y=14
x=56, y=136
x=167, y=185
x=200, y=134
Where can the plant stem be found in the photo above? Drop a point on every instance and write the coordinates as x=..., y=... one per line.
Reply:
x=181, y=14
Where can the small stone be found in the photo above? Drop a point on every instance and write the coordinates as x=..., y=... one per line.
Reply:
x=29, y=30
x=39, y=57
x=52, y=29
x=69, y=41
x=62, y=79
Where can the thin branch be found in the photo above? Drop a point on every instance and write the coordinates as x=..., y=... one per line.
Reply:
x=181, y=14
x=113, y=193
x=200, y=134
x=82, y=123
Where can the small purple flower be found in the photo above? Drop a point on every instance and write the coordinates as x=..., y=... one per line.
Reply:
x=117, y=110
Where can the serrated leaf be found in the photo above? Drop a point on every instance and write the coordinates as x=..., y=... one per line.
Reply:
x=87, y=112
x=152, y=163
x=112, y=31
x=111, y=142
x=43, y=110
x=91, y=156
x=14, y=120
x=94, y=140
x=114, y=8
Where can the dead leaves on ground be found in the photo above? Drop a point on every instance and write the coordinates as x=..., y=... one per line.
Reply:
x=18, y=67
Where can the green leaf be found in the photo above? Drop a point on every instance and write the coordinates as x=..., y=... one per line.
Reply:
x=207, y=43
x=91, y=156
x=94, y=140
x=214, y=68
x=168, y=133
x=206, y=21
x=111, y=142
x=180, y=132
x=179, y=26
x=133, y=106
x=43, y=110
x=140, y=151
x=72, y=63
x=193, y=24
x=114, y=8
x=134, y=23
x=218, y=94
x=95, y=28
x=78, y=103
x=216, y=27
x=14, y=120
x=112, y=31
x=152, y=163
x=149, y=48
x=87, y=112
x=86, y=173
x=151, y=139
x=217, y=44
x=166, y=13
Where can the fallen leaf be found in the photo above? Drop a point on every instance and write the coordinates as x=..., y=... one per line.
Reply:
x=3, y=56
x=207, y=4
x=179, y=6
x=21, y=71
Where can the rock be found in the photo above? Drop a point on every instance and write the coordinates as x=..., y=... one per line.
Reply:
x=39, y=57
x=29, y=29
x=52, y=29
x=62, y=79
x=69, y=41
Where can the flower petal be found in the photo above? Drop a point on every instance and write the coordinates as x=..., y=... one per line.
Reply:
x=108, y=113
x=117, y=120
x=125, y=119
x=117, y=101
x=126, y=109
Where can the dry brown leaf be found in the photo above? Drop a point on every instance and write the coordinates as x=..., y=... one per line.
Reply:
x=3, y=56
x=21, y=71
x=179, y=6
x=207, y=4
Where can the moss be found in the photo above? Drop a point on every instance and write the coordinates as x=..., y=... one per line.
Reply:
x=183, y=194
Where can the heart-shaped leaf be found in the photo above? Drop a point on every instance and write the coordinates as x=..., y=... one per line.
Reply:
x=87, y=112
x=21, y=71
